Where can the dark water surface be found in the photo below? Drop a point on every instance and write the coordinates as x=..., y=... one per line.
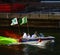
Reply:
x=27, y=50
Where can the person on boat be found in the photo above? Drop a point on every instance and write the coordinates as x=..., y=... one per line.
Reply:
x=25, y=35
x=34, y=35
x=28, y=35
x=41, y=35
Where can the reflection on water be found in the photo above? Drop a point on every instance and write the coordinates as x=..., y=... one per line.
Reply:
x=27, y=50
x=33, y=50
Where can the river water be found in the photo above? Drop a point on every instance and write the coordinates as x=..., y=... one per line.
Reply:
x=28, y=50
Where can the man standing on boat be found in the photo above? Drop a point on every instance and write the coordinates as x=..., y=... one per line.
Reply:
x=41, y=35
x=34, y=35
x=24, y=35
x=28, y=35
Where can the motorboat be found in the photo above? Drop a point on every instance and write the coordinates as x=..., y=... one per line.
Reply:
x=40, y=42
